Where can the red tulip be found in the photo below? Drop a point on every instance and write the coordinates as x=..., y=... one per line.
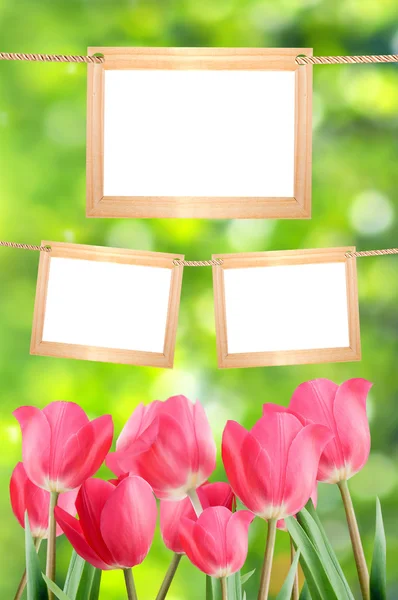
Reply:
x=26, y=496
x=272, y=468
x=116, y=523
x=169, y=444
x=217, y=542
x=61, y=448
x=342, y=409
x=171, y=513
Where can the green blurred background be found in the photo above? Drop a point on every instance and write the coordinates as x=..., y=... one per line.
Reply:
x=42, y=196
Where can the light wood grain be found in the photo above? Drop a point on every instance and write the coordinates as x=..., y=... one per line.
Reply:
x=116, y=255
x=267, y=59
x=286, y=357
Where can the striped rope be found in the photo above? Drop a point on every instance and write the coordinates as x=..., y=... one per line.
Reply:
x=372, y=253
x=214, y=262
x=335, y=60
x=60, y=58
x=25, y=246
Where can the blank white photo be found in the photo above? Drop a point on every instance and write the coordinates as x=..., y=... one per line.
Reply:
x=107, y=305
x=282, y=308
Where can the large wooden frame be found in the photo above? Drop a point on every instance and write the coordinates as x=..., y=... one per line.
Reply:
x=275, y=59
x=288, y=357
x=102, y=254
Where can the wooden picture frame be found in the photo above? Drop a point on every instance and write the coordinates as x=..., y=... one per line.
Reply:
x=287, y=357
x=106, y=255
x=296, y=206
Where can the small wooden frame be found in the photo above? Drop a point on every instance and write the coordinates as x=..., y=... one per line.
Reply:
x=252, y=317
x=195, y=159
x=104, y=292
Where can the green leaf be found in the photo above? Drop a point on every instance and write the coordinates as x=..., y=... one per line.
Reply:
x=95, y=588
x=234, y=587
x=74, y=575
x=86, y=582
x=287, y=588
x=247, y=576
x=36, y=588
x=378, y=586
x=334, y=574
x=213, y=588
x=305, y=592
x=318, y=581
x=311, y=509
x=55, y=589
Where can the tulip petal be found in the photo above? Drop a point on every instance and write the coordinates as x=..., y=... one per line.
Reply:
x=352, y=423
x=85, y=452
x=37, y=503
x=17, y=492
x=270, y=408
x=170, y=449
x=64, y=418
x=216, y=494
x=36, y=437
x=237, y=539
x=73, y=531
x=171, y=514
x=89, y=503
x=314, y=400
x=233, y=438
x=205, y=447
x=302, y=466
x=128, y=521
x=275, y=432
x=259, y=495
x=214, y=521
x=141, y=428
x=199, y=546
x=67, y=501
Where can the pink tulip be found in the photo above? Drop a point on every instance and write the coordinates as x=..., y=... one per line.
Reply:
x=171, y=513
x=342, y=409
x=217, y=542
x=272, y=468
x=169, y=444
x=116, y=523
x=61, y=448
x=26, y=496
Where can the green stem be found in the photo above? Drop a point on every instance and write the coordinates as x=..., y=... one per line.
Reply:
x=171, y=571
x=296, y=588
x=51, y=543
x=224, y=588
x=363, y=573
x=193, y=495
x=268, y=556
x=130, y=587
x=22, y=583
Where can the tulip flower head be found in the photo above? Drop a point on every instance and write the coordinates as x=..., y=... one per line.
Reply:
x=116, y=523
x=61, y=448
x=171, y=513
x=272, y=468
x=342, y=409
x=27, y=497
x=217, y=542
x=169, y=444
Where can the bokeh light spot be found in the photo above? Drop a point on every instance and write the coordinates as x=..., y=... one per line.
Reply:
x=371, y=213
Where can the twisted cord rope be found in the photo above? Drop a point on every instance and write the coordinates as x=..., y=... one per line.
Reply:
x=25, y=246
x=51, y=57
x=372, y=253
x=334, y=60
x=214, y=262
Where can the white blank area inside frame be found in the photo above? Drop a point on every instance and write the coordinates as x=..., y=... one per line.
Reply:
x=199, y=132
x=294, y=310
x=106, y=304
